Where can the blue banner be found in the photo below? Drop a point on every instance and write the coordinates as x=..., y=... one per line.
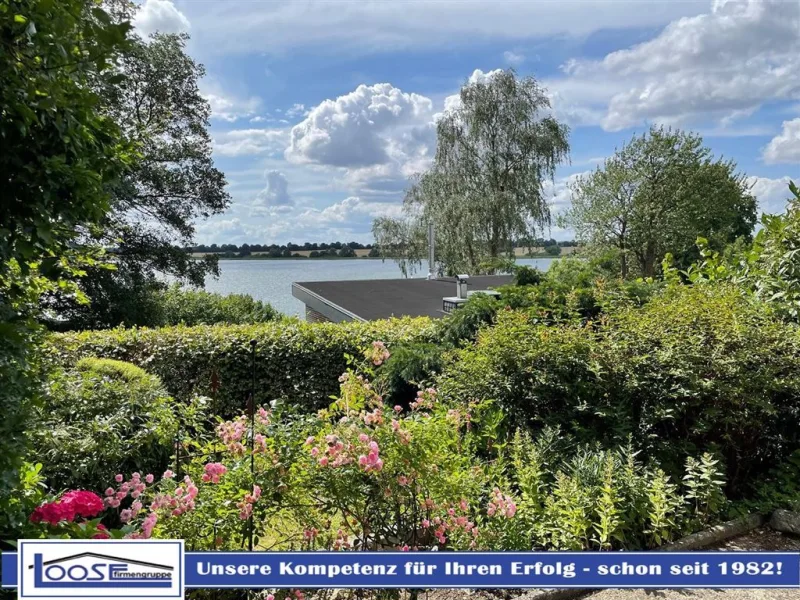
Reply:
x=481, y=570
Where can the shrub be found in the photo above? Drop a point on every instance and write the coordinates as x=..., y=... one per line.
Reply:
x=707, y=367
x=294, y=360
x=103, y=417
x=366, y=475
x=465, y=322
x=571, y=290
x=540, y=375
x=698, y=368
x=524, y=275
x=198, y=307
x=140, y=302
x=409, y=369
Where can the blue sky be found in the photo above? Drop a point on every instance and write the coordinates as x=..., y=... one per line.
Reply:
x=323, y=109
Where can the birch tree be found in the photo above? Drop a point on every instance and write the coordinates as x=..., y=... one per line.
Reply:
x=484, y=190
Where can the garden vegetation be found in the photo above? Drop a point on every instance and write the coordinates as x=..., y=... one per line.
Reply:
x=621, y=400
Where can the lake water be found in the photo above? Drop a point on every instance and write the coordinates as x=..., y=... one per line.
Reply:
x=271, y=280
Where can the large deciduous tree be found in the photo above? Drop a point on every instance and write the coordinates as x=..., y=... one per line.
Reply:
x=658, y=194
x=154, y=208
x=485, y=187
x=60, y=150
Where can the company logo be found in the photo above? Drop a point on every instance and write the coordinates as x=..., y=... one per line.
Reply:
x=100, y=569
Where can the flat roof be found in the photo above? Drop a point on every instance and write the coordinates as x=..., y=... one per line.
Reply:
x=370, y=299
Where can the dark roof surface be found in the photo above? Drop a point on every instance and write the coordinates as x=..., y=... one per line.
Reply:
x=383, y=298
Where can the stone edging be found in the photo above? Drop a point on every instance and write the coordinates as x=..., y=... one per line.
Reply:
x=714, y=535
x=785, y=521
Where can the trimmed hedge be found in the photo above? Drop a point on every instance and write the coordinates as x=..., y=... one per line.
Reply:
x=295, y=361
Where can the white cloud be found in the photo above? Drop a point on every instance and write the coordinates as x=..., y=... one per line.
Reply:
x=513, y=58
x=785, y=148
x=243, y=26
x=296, y=110
x=772, y=194
x=723, y=65
x=277, y=191
x=223, y=231
x=359, y=128
x=243, y=142
x=229, y=108
x=160, y=15
x=352, y=211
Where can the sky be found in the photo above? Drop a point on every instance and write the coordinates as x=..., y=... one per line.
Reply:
x=323, y=109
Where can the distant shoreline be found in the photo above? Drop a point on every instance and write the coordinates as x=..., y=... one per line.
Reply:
x=361, y=254
x=542, y=255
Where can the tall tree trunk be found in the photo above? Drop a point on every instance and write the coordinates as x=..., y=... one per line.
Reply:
x=623, y=263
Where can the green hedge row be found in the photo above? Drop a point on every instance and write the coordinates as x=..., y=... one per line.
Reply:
x=295, y=361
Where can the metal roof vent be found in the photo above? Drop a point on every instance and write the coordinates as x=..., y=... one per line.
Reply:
x=450, y=303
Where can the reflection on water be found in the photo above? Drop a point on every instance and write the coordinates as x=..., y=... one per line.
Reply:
x=271, y=280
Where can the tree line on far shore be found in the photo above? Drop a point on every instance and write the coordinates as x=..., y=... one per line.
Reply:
x=343, y=249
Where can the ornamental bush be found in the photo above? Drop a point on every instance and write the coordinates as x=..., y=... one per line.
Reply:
x=180, y=306
x=365, y=475
x=102, y=417
x=571, y=290
x=707, y=367
x=698, y=368
x=296, y=361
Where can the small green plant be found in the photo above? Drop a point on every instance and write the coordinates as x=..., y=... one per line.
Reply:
x=664, y=507
x=609, y=519
x=704, y=484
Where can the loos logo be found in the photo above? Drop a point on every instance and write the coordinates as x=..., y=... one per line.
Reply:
x=100, y=569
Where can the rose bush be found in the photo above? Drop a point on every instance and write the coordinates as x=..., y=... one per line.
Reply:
x=365, y=475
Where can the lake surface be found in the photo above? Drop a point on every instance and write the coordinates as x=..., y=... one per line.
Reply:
x=271, y=280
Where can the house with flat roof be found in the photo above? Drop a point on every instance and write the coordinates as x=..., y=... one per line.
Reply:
x=371, y=299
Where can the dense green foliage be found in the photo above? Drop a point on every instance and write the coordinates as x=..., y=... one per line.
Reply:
x=586, y=498
x=484, y=190
x=154, y=208
x=363, y=474
x=28, y=493
x=296, y=361
x=175, y=305
x=58, y=154
x=411, y=366
x=197, y=307
x=657, y=194
x=102, y=418
x=779, y=487
x=769, y=268
x=571, y=290
x=698, y=368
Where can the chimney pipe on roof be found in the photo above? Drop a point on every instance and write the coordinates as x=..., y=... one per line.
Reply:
x=431, y=252
x=461, y=286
